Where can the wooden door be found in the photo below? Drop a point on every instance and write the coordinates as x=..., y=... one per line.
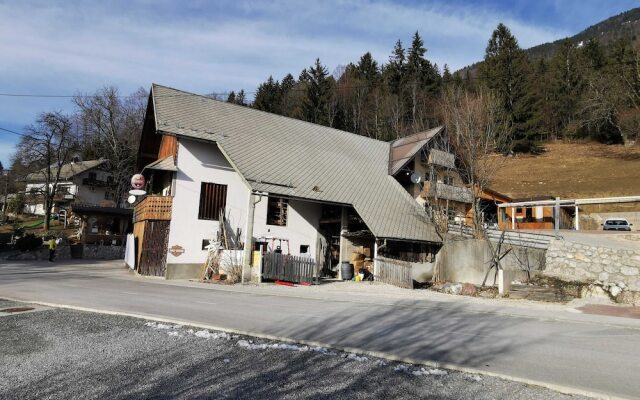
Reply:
x=153, y=252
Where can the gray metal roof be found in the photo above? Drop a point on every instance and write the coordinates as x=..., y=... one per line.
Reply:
x=67, y=171
x=404, y=149
x=294, y=158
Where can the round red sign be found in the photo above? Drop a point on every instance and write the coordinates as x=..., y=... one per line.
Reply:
x=137, y=181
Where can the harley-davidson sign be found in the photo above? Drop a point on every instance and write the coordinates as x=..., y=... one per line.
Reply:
x=176, y=250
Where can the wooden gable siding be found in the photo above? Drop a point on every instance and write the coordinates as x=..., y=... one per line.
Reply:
x=168, y=147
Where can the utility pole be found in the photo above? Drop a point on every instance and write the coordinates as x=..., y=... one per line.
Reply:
x=5, y=172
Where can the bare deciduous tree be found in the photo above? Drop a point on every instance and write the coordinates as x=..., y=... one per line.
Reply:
x=115, y=125
x=49, y=144
x=475, y=132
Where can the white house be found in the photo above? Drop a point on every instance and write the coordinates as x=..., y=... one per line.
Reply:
x=87, y=182
x=285, y=185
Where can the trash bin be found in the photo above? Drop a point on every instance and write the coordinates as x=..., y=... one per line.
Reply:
x=346, y=269
x=76, y=250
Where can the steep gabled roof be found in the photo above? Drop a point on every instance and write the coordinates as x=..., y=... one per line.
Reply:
x=404, y=149
x=67, y=171
x=289, y=157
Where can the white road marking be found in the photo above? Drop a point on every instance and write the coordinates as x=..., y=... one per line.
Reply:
x=206, y=302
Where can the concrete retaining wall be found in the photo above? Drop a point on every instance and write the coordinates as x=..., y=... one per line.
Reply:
x=467, y=261
x=574, y=261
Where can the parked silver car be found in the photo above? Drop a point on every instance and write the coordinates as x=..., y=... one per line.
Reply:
x=616, y=224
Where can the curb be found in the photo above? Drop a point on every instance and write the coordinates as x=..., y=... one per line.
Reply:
x=555, y=387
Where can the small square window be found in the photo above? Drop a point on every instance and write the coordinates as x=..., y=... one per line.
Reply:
x=304, y=248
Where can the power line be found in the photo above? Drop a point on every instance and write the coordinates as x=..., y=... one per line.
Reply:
x=14, y=132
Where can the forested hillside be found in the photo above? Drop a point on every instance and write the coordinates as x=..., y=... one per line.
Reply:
x=585, y=87
x=622, y=26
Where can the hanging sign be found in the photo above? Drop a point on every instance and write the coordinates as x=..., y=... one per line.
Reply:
x=137, y=181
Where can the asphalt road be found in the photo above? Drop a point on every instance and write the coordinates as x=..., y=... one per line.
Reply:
x=68, y=354
x=595, y=354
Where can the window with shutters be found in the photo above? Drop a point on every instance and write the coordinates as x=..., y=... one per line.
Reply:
x=277, y=211
x=213, y=199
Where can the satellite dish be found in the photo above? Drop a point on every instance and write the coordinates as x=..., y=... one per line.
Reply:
x=416, y=178
x=137, y=192
x=131, y=199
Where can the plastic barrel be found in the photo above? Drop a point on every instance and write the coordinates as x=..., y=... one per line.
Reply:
x=347, y=271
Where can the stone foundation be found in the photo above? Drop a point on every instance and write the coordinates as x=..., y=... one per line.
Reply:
x=92, y=252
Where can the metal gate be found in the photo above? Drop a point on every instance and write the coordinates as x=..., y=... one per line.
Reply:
x=277, y=266
x=153, y=257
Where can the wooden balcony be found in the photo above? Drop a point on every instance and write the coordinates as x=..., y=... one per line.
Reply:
x=441, y=159
x=157, y=208
x=447, y=192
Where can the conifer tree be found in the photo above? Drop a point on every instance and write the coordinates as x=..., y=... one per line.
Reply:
x=241, y=98
x=566, y=85
x=315, y=105
x=505, y=71
x=269, y=96
x=367, y=69
x=395, y=69
x=447, y=78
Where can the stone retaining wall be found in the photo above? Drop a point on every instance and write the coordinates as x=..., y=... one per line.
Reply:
x=95, y=252
x=574, y=261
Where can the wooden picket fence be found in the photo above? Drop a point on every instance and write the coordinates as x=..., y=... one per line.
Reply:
x=277, y=266
x=394, y=272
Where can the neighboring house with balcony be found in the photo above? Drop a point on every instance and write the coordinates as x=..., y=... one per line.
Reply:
x=88, y=182
x=276, y=184
x=429, y=156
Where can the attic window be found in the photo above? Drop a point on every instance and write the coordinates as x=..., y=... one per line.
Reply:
x=277, y=208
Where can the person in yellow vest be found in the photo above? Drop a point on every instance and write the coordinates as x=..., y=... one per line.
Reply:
x=52, y=248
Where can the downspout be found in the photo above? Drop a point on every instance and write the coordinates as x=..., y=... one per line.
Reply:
x=248, y=242
x=376, y=251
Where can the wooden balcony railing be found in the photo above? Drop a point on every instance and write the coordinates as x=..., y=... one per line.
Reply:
x=447, y=192
x=153, y=208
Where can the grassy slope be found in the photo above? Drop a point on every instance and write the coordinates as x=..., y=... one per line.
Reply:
x=571, y=170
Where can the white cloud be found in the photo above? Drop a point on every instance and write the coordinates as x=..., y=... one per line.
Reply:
x=70, y=47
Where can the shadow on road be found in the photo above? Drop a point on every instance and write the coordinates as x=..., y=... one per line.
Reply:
x=121, y=358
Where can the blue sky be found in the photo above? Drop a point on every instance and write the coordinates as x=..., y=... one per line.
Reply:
x=67, y=47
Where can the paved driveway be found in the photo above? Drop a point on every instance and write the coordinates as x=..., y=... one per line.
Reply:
x=593, y=353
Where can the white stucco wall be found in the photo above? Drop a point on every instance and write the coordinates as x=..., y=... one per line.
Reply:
x=82, y=193
x=301, y=229
x=87, y=194
x=203, y=162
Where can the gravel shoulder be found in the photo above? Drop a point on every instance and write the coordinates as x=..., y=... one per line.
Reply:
x=64, y=354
